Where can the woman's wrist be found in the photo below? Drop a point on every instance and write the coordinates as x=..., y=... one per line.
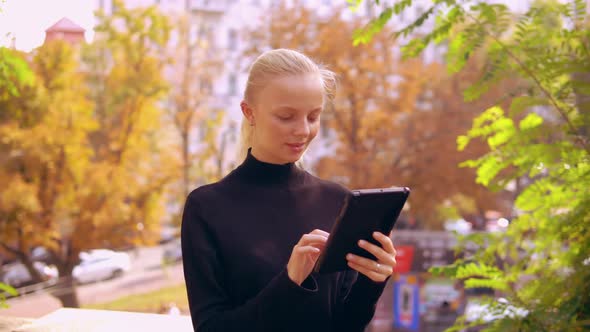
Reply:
x=296, y=279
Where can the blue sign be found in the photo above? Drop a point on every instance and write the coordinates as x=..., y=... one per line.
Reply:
x=406, y=304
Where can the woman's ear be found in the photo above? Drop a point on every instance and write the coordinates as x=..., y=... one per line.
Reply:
x=248, y=112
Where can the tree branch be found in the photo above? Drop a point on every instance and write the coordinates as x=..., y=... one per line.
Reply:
x=529, y=72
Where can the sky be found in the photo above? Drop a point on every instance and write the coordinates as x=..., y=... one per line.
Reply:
x=27, y=19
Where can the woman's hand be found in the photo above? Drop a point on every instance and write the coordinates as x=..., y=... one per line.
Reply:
x=376, y=270
x=305, y=254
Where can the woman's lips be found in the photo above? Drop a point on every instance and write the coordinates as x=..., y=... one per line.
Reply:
x=297, y=147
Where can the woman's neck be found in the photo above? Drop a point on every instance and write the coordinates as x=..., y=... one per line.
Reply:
x=266, y=158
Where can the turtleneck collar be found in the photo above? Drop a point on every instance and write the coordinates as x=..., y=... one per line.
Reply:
x=256, y=171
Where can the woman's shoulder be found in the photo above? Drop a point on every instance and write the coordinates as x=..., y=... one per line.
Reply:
x=327, y=185
x=208, y=191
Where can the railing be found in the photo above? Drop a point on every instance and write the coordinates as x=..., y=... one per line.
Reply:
x=56, y=287
x=213, y=6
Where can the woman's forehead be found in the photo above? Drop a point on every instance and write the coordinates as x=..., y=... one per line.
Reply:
x=295, y=92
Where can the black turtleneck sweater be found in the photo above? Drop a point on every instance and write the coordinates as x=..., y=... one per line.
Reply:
x=237, y=237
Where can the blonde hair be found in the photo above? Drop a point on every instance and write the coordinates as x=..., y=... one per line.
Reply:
x=277, y=63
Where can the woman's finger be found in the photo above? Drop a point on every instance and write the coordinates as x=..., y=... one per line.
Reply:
x=378, y=252
x=316, y=244
x=312, y=238
x=307, y=250
x=385, y=241
x=320, y=232
x=373, y=275
x=370, y=264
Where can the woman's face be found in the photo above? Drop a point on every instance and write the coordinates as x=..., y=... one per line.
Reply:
x=286, y=117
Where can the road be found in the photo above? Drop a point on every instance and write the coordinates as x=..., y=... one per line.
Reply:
x=147, y=273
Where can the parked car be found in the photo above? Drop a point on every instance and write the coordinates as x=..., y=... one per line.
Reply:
x=168, y=234
x=101, y=264
x=172, y=253
x=17, y=275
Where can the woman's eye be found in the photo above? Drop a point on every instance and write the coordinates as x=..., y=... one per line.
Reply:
x=284, y=117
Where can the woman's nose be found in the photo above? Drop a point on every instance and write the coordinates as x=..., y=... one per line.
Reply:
x=302, y=128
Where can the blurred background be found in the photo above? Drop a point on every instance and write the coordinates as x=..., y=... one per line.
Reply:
x=112, y=111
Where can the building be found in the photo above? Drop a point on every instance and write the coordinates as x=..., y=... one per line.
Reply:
x=67, y=30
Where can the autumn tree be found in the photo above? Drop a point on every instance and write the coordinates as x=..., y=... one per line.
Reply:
x=196, y=64
x=44, y=131
x=428, y=160
x=85, y=166
x=14, y=71
x=542, y=262
x=15, y=75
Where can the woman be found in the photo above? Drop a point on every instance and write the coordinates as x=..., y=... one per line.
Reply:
x=250, y=241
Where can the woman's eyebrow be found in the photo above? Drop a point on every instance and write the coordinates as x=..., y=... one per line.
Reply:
x=286, y=107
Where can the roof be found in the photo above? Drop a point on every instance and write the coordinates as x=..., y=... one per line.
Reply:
x=65, y=25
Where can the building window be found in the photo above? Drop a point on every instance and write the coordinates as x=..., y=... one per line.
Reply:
x=232, y=39
x=232, y=85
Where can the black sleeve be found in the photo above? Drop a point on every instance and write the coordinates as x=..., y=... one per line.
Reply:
x=358, y=299
x=210, y=306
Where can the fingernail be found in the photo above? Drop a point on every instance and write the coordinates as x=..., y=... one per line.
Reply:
x=362, y=242
x=349, y=256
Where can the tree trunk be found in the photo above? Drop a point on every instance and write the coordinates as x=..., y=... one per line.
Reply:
x=185, y=163
x=65, y=292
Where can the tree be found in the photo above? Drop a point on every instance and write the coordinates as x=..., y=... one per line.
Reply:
x=542, y=262
x=43, y=132
x=14, y=72
x=85, y=166
x=389, y=122
x=197, y=63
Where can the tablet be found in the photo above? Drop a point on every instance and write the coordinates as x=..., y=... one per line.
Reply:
x=364, y=211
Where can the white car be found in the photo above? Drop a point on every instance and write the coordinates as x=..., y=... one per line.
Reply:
x=101, y=264
x=17, y=275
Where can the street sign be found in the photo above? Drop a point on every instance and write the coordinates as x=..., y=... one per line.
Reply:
x=406, y=304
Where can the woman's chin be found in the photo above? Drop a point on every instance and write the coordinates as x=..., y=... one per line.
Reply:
x=294, y=156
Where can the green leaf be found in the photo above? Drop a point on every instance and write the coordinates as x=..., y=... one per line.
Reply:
x=364, y=35
x=462, y=142
x=455, y=56
x=522, y=103
x=532, y=120
x=14, y=72
x=504, y=132
x=6, y=289
x=413, y=48
x=486, y=283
